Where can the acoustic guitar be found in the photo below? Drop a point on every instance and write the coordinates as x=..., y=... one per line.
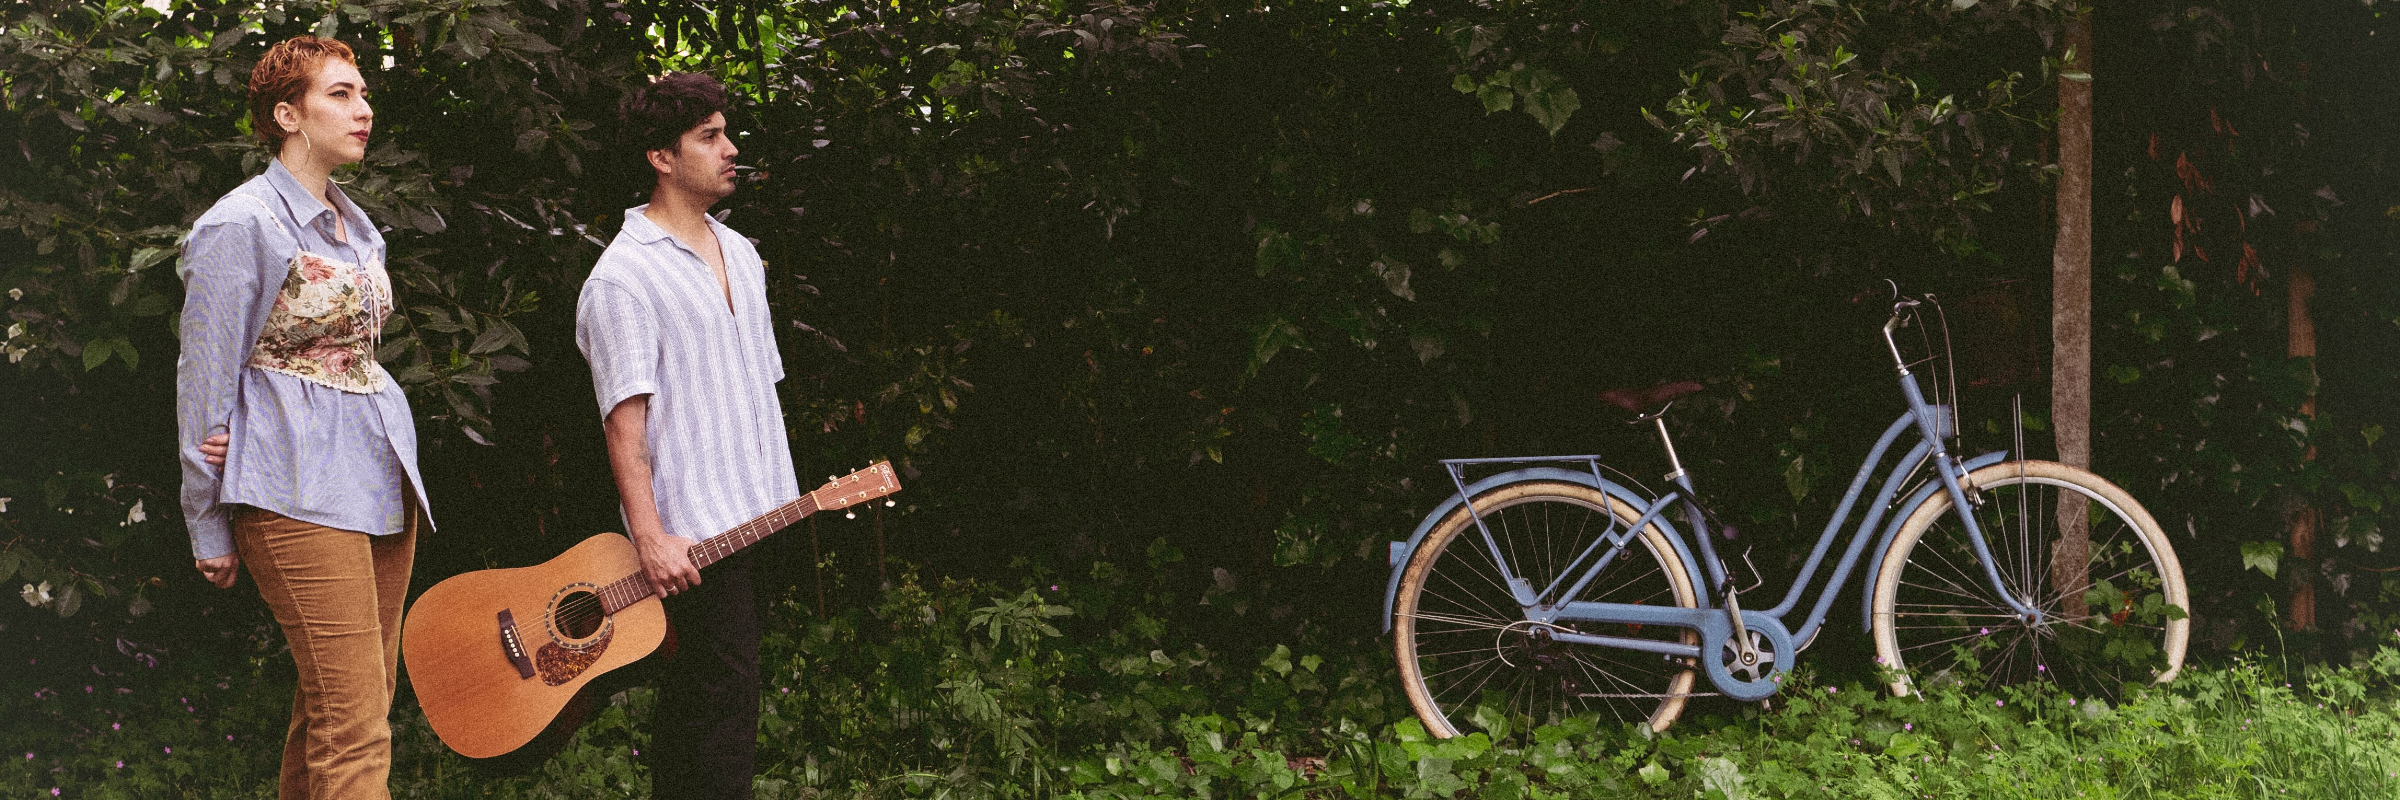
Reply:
x=495, y=655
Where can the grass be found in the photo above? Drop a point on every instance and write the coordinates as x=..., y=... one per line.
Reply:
x=955, y=691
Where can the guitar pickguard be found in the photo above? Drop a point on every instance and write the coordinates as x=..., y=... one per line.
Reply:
x=559, y=665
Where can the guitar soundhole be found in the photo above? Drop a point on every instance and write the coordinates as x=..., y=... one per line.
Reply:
x=576, y=615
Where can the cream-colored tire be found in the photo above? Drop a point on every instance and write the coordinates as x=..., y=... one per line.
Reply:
x=1468, y=656
x=1936, y=617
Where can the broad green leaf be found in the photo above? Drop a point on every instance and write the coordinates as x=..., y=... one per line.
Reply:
x=1552, y=106
x=1496, y=96
x=2265, y=557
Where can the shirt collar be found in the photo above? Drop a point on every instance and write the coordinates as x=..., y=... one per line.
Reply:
x=639, y=226
x=304, y=206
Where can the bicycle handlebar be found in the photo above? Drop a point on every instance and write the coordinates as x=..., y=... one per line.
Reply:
x=1900, y=307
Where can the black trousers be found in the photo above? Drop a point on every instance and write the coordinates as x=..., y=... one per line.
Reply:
x=704, y=730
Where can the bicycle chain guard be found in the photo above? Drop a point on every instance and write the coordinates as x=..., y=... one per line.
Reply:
x=1721, y=660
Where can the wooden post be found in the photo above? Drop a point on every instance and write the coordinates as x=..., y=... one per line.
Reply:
x=2071, y=311
x=2301, y=612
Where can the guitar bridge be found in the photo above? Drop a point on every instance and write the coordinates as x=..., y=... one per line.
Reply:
x=513, y=646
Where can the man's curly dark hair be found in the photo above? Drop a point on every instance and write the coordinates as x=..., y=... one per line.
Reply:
x=654, y=116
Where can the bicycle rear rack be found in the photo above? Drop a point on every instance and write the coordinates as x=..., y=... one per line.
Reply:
x=1522, y=589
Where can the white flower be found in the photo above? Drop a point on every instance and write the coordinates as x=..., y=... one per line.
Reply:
x=109, y=479
x=16, y=294
x=137, y=515
x=16, y=330
x=16, y=354
x=36, y=597
x=4, y=504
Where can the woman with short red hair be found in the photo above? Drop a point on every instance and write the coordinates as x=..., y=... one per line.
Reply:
x=299, y=453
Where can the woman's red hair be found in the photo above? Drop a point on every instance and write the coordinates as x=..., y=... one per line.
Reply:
x=283, y=75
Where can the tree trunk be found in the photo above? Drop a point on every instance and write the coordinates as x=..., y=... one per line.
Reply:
x=2302, y=343
x=2071, y=312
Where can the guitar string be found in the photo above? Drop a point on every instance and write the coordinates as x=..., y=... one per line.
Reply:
x=576, y=607
x=579, y=605
x=754, y=530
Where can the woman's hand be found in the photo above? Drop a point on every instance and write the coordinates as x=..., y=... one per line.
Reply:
x=212, y=450
x=222, y=569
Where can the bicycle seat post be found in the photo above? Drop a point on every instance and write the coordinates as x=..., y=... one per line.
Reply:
x=1674, y=464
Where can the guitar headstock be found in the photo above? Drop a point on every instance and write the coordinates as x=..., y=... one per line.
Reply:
x=857, y=487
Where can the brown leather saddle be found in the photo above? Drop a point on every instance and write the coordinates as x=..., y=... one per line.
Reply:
x=1650, y=402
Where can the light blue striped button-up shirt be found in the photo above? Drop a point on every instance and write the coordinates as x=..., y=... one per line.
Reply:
x=653, y=320
x=306, y=451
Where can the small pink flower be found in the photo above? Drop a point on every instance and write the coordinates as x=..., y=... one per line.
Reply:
x=1908, y=726
x=1997, y=703
x=29, y=755
x=116, y=726
x=228, y=737
x=1833, y=690
x=168, y=750
x=120, y=765
x=87, y=689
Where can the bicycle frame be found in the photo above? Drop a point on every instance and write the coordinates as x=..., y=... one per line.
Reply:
x=1718, y=628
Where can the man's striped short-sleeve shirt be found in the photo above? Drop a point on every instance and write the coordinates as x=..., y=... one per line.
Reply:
x=652, y=320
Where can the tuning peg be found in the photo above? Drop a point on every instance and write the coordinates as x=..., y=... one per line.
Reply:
x=833, y=477
x=849, y=515
x=890, y=503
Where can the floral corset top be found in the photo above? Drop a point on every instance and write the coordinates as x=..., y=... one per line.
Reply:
x=326, y=322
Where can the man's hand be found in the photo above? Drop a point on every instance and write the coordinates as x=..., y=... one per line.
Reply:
x=212, y=449
x=667, y=562
x=222, y=569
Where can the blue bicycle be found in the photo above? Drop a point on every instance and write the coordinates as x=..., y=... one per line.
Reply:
x=1547, y=591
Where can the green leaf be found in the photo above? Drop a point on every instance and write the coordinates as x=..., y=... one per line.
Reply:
x=1551, y=107
x=1652, y=773
x=494, y=337
x=97, y=351
x=1496, y=95
x=145, y=257
x=2372, y=432
x=2265, y=557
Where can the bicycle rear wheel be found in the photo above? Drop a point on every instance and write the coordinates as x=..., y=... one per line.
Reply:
x=2116, y=619
x=1470, y=659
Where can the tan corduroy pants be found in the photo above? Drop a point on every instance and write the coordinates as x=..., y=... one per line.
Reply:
x=338, y=596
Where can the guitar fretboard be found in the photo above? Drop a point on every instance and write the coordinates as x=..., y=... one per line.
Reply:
x=633, y=588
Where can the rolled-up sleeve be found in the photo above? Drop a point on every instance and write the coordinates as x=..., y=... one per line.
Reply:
x=220, y=271
x=619, y=336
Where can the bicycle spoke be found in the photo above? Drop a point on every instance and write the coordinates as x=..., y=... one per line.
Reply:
x=1927, y=615
x=1467, y=641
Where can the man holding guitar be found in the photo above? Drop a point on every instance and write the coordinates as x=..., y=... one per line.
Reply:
x=674, y=321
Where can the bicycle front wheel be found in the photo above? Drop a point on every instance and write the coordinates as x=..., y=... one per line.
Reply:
x=2114, y=615
x=1469, y=657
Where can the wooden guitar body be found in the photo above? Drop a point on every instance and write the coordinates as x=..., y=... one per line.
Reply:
x=494, y=655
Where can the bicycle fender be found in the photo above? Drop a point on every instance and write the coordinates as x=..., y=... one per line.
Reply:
x=1401, y=552
x=1891, y=530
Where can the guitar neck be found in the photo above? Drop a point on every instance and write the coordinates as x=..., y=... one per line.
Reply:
x=634, y=588
x=725, y=544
